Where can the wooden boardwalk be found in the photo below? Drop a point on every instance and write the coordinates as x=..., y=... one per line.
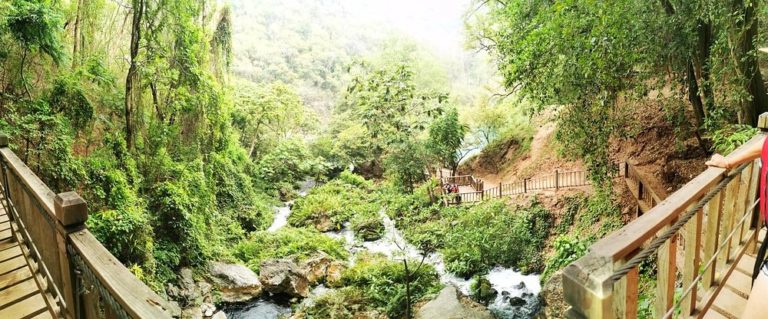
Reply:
x=732, y=299
x=20, y=293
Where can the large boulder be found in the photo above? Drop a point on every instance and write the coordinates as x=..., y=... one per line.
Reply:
x=283, y=276
x=236, y=282
x=316, y=267
x=448, y=306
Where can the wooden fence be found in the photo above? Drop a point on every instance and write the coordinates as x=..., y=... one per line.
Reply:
x=712, y=219
x=554, y=181
x=638, y=186
x=80, y=278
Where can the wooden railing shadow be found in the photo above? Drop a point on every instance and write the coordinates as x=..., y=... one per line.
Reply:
x=712, y=219
x=79, y=277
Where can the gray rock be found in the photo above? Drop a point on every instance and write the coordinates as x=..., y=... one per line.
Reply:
x=283, y=276
x=521, y=285
x=316, y=267
x=192, y=313
x=448, y=306
x=188, y=292
x=207, y=309
x=516, y=302
x=219, y=315
x=236, y=282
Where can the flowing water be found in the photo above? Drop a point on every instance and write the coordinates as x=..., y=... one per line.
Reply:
x=517, y=293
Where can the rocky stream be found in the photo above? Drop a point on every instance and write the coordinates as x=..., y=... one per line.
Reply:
x=516, y=294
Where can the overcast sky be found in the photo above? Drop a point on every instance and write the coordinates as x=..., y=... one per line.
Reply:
x=436, y=22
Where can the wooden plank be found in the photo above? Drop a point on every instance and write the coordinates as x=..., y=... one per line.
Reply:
x=740, y=206
x=728, y=302
x=729, y=207
x=714, y=214
x=746, y=265
x=12, y=264
x=18, y=292
x=665, y=283
x=5, y=235
x=3, y=217
x=709, y=296
x=626, y=295
x=692, y=262
x=10, y=253
x=740, y=283
x=8, y=244
x=30, y=306
x=47, y=315
x=15, y=277
x=5, y=226
x=714, y=315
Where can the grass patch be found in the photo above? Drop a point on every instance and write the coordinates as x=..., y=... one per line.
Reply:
x=287, y=242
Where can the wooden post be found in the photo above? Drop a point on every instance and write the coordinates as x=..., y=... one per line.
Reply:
x=557, y=180
x=587, y=287
x=500, y=190
x=525, y=185
x=71, y=214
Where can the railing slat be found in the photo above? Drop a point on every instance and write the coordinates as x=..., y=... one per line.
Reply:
x=667, y=269
x=729, y=215
x=714, y=211
x=692, y=261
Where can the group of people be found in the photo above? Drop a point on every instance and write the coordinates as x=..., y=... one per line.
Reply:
x=449, y=188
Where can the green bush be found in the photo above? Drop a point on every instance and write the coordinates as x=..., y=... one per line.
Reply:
x=490, y=234
x=382, y=282
x=344, y=303
x=126, y=233
x=345, y=199
x=567, y=250
x=287, y=242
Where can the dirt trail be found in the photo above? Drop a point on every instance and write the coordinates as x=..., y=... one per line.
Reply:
x=542, y=159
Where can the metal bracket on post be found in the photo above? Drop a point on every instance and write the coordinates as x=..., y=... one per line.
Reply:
x=71, y=214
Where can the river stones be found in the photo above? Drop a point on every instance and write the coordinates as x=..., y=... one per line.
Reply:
x=448, y=306
x=316, y=267
x=236, y=282
x=283, y=276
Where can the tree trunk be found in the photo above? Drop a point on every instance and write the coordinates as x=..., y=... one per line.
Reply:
x=753, y=80
x=76, y=35
x=704, y=30
x=132, y=78
x=698, y=106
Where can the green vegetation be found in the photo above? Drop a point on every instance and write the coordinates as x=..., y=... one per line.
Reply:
x=376, y=283
x=298, y=243
x=345, y=199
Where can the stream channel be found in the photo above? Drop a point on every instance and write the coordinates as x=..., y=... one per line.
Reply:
x=512, y=286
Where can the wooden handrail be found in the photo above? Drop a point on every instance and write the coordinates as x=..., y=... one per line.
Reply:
x=79, y=270
x=587, y=283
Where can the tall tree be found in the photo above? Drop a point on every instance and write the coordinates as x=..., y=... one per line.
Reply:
x=132, y=92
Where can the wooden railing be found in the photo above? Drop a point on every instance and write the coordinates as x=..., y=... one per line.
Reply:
x=554, y=181
x=646, y=197
x=79, y=277
x=712, y=239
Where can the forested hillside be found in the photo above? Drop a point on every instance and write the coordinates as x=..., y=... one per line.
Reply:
x=301, y=144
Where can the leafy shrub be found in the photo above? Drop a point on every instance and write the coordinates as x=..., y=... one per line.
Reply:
x=345, y=199
x=567, y=250
x=489, y=234
x=382, y=281
x=126, y=233
x=287, y=242
x=344, y=303
x=235, y=192
x=728, y=138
